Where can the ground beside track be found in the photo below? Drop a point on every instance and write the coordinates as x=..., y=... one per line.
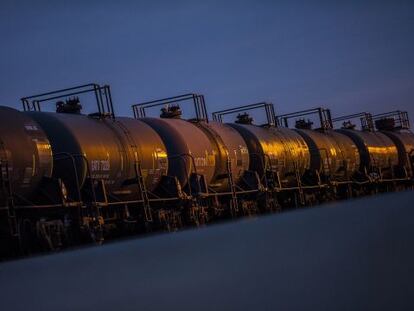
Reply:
x=353, y=255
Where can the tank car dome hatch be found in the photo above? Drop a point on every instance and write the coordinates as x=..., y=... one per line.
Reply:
x=24, y=170
x=71, y=105
x=348, y=125
x=303, y=124
x=171, y=112
x=244, y=118
x=103, y=149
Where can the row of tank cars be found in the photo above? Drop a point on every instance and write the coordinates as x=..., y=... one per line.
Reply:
x=68, y=177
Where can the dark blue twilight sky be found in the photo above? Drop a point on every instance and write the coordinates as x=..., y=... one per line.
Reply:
x=346, y=55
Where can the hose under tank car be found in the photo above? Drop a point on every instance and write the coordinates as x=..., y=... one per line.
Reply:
x=25, y=154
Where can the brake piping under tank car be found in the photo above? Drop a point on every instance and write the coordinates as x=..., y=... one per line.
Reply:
x=69, y=178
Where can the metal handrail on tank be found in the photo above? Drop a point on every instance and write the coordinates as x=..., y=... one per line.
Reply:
x=323, y=114
x=367, y=123
x=197, y=100
x=268, y=107
x=400, y=119
x=102, y=95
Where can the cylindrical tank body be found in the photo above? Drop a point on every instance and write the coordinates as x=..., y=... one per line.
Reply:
x=229, y=145
x=404, y=141
x=376, y=150
x=25, y=149
x=278, y=149
x=189, y=148
x=103, y=149
x=151, y=151
x=333, y=154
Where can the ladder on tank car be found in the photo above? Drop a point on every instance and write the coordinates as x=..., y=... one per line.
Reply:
x=143, y=191
x=6, y=188
x=230, y=178
x=234, y=201
x=138, y=173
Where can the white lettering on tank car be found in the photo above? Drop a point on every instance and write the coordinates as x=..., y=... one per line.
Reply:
x=207, y=160
x=100, y=165
x=31, y=127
